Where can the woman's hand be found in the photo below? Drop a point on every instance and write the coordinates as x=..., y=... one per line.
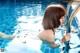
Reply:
x=66, y=37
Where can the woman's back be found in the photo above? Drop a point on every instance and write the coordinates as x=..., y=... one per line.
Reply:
x=47, y=37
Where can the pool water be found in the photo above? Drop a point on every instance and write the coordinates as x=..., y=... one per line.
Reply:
x=24, y=19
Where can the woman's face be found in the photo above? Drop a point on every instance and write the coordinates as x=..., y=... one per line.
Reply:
x=61, y=20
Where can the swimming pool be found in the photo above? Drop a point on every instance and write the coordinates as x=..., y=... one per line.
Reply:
x=20, y=18
x=23, y=18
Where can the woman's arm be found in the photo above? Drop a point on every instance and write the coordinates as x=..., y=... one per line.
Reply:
x=58, y=42
x=5, y=36
x=66, y=37
x=48, y=35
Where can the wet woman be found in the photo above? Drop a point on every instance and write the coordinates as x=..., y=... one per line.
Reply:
x=53, y=18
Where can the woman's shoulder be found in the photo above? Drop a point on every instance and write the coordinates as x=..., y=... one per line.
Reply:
x=48, y=31
x=46, y=34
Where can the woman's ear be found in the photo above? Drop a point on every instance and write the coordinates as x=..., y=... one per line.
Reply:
x=61, y=20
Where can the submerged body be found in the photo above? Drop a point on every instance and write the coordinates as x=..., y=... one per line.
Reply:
x=53, y=18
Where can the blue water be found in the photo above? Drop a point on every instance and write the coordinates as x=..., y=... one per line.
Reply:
x=23, y=18
x=19, y=18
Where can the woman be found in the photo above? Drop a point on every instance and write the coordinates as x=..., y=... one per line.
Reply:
x=53, y=18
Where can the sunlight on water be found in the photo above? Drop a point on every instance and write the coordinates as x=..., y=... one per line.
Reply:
x=74, y=6
x=32, y=25
x=31, y=19
x=77, y=15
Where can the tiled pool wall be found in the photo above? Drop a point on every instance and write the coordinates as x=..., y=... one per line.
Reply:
x=11, y=10
x=9, y=13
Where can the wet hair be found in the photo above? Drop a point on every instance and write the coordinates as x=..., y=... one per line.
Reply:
x=52, y=16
